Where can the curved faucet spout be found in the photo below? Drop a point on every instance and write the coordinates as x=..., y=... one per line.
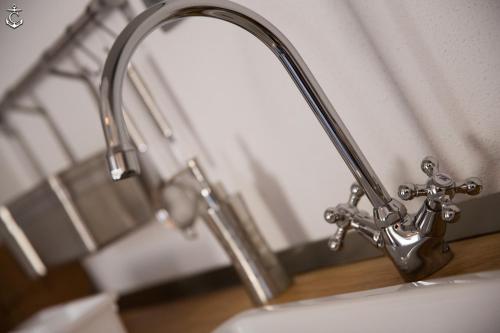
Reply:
x=121, y=157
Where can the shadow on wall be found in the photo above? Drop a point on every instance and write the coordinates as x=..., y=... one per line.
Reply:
x=275, y=199
x=444, y=95
x=489, y=162
x=405, y=99
x=441, y=89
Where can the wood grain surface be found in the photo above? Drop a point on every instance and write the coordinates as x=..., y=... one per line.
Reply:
x=203, y=313
x=21, y=297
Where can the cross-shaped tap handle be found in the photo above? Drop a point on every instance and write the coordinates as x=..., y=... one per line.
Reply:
x=342, y=215
x=440, y=189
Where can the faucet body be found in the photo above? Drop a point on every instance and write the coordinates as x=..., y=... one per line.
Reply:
x=393, y=227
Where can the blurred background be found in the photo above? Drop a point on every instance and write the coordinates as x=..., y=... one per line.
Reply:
x=409, y=79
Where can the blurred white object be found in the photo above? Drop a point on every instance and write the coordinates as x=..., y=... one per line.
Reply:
x=94, y=314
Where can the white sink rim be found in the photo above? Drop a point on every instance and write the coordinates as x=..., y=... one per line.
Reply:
x=470, y=286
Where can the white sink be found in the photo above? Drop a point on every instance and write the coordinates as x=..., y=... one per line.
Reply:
x=93, y=314
x=466, y=303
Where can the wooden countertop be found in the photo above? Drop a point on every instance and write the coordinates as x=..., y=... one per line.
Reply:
x=203, y=313
x=21, y=296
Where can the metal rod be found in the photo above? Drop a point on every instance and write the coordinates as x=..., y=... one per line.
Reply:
x=94, y=8
x=144, y=92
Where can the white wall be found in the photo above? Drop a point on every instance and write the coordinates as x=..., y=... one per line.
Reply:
x=409, y=78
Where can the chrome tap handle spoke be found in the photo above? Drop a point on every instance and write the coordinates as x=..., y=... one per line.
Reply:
x=333, y=215
x=430, y=166
x=410, y=191
x=337, y=215
x=471, y=186
x=440, y=190
x=356, y=194
x=336, y=240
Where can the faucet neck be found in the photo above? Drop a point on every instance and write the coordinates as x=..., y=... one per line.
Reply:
x=114, y=71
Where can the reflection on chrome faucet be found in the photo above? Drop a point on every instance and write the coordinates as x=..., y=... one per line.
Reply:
x=416, y=242
x=393, y=227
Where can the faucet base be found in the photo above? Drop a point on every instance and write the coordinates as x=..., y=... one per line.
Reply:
x=416, y=245
x=425, y=259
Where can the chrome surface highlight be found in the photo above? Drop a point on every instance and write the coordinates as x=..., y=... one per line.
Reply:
x=414, y=242
x=117, y=62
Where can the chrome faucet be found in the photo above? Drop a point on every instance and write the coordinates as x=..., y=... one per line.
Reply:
x=414, y=243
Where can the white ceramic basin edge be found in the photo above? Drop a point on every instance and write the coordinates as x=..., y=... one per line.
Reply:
x=466, y=303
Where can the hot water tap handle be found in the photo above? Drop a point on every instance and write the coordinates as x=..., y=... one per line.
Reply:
x=440, y=189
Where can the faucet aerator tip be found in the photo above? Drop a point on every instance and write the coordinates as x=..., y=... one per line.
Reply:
x=118, y=175
x=123, y=164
